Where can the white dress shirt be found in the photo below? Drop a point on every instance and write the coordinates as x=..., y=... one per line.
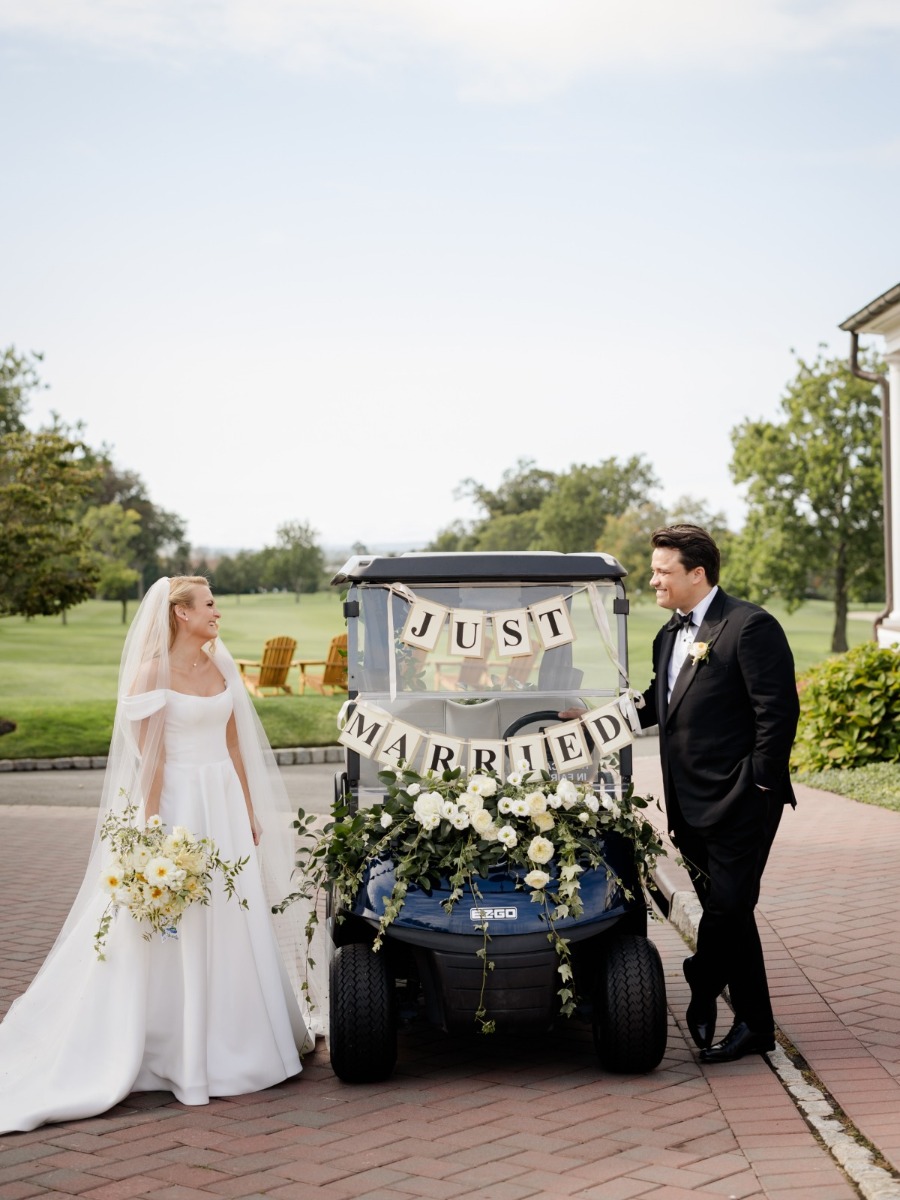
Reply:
x=684, y=639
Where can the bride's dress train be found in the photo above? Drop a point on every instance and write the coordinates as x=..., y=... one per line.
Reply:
x=210, y=1013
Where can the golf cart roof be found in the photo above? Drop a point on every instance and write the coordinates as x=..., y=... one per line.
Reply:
x=527, y=566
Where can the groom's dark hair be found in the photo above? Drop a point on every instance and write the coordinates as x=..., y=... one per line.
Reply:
x=694, y=545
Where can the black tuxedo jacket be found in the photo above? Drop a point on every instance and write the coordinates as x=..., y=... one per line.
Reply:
x=730, y=724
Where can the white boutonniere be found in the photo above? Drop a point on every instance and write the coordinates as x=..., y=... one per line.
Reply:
x=699, y=651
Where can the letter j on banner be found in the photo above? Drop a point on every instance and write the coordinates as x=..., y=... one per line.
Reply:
x=424, y=624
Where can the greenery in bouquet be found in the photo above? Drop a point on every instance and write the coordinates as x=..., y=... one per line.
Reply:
x=454, y=828
x=155, y=875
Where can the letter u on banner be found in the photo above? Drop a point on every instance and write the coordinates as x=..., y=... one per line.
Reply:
x=607, y=727
x=466, y=633
x=551, y=619
x=364, y=729
x=424, y=624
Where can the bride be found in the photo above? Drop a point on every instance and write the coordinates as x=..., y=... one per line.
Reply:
x=213, y=1012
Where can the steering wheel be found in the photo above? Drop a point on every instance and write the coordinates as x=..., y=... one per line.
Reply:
x=532, y=718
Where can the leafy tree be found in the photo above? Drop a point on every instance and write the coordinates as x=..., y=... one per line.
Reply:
x=453, y=538
x=46, y=561
x=160, y=545
x=507, y=531
x=574, y=515
x=298, y=561
x=523, y=488
x=626, y=537
x=815, y=492
x=237, y=574
x=18, y=378
x=113, y=531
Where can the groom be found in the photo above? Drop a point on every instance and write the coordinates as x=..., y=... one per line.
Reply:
x=725, y=698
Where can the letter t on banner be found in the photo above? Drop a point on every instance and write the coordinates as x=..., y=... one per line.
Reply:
x=551, y=619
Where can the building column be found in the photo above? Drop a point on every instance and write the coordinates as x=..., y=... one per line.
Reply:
x=889, y=632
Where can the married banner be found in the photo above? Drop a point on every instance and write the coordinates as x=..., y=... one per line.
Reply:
x=375, y=734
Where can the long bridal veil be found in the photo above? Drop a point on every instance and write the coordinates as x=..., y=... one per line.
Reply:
x=134, y=753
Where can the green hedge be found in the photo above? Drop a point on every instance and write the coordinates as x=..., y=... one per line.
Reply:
x=850, y=711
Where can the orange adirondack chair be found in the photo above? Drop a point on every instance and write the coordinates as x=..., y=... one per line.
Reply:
x=270, y=678
x=333, y=678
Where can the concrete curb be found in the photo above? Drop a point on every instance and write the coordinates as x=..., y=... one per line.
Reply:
x=299, y=756
x=854, y=1158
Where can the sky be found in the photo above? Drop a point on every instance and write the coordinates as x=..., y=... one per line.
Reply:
x=322, y=260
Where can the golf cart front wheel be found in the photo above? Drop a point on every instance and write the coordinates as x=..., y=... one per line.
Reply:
x=363, y=1034
x=630, y=1010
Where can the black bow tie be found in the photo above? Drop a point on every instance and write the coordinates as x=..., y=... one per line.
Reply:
x=681, y=621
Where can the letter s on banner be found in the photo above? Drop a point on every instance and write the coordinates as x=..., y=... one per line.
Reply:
x=511, y=634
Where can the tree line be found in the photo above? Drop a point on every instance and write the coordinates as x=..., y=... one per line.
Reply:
x=813, y=479
x=76, y=526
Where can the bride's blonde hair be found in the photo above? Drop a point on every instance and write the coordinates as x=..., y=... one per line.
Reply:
x=181, y=591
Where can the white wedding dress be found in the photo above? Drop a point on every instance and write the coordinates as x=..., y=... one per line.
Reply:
x=211, y=1013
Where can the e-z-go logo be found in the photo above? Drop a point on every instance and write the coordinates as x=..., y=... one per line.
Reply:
x=493, y=914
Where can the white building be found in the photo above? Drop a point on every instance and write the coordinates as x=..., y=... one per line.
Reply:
x=882, y=316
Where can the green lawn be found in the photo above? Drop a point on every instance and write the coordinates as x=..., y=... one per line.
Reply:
x=58, y=682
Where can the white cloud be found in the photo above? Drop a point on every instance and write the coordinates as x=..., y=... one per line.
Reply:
x=498, y=48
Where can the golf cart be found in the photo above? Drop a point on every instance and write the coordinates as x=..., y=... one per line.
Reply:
x=459, y=666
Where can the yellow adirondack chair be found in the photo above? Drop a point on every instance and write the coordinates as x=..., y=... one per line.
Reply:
x=270, y=677
x=333, y=677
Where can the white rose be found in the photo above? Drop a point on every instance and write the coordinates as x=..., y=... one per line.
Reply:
x=507, y=835
x=540, y=850
x=471, y=802
x=537, y=879
x=413, y=789
x=386, y=820
x=459, y=819
x=180, y=834
x=520, y=807
x=584, y=817
x=482, y=785
x=427, y=806
x=554, y=801
x=592, y=802
x=543, y=821
x=431, y=821
x=567, y=793
x=537, y=803
x=482, y=821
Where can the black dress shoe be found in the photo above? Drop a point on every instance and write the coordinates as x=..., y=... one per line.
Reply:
x=701, y=1014
x=739, y=1040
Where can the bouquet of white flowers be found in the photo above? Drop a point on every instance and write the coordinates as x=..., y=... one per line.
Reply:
x=155, y=875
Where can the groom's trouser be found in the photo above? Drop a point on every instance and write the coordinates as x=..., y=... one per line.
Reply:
x=726, y=864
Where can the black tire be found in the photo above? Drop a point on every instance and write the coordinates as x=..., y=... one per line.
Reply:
x=630, y=1019
x=363, y=1034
